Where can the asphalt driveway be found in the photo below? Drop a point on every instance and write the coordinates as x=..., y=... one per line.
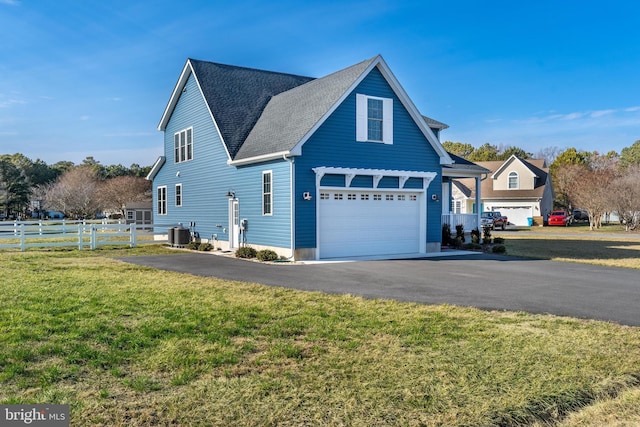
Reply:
x=483, y=281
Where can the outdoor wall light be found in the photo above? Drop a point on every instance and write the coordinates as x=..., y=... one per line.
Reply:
x=231, y=194
x=306, y=195
x=435, y=198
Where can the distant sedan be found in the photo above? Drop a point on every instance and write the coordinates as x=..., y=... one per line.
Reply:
x=559, y=218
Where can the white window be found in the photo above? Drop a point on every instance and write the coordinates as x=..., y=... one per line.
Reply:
x=162, y=200
x=374, y=119
x=178, y=195
x=513, y=181
x=267, y=193
x=456, y=206
x=183, y=145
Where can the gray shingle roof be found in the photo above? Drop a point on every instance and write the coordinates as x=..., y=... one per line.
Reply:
x=290, y=115
x=261, y=113
x=237, y=96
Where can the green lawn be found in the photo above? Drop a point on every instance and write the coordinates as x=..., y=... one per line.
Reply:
x=130, y=345
x=609, y=246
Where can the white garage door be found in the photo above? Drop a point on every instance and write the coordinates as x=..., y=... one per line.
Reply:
x=362, y=223
x=517, y=216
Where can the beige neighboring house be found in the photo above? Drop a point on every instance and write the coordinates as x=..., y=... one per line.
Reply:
x=520, y=189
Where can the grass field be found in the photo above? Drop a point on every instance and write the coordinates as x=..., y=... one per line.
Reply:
x=609, y=245
x=130, y=345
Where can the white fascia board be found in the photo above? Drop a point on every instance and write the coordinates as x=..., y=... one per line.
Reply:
x=379, y=62
x=503, y=166
x=258, y=159
x=187, y=70
x=445, y=159
x=213, y=119
x=155, y=168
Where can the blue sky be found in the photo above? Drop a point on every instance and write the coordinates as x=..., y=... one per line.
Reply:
x=91, y=78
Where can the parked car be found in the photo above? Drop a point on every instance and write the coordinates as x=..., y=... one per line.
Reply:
x=559, y=218
x=492, y=220
x=580, y=215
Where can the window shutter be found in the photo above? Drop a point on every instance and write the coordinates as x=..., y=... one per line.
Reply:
x=361, y=118
x=387, y=124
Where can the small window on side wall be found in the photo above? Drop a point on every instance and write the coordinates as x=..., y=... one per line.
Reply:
x=183, y=145
x=162, y=200
x=267, y=193
x=374, y=119
x=178, y=195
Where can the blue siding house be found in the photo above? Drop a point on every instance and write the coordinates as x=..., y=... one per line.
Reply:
x=313, y=168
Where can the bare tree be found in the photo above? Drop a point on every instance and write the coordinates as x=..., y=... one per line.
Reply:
x=75, y=193
x=625, y=197
x=118, y=191
x=590, y=189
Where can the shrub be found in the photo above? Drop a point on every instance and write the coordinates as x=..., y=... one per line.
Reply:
x=446, y=234
x=473, y=246
x=498, y=249
x=475, y=236
x=246, y=252
x=486, y=235
x=267, y=255
x=206, y=247
x=460, y=232
x=193, y=245
x=499, y=240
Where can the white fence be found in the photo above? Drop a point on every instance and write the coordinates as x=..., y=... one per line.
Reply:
x=80, y=234
x=469, y=221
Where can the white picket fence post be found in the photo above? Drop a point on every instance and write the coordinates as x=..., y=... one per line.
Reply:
x=22, y=238
x=132, y=231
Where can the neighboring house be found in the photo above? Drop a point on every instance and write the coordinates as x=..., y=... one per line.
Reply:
x=520, y=189
x=339, y=166
x=139, y=212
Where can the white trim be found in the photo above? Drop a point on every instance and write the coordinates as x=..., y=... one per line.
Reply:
x=179, y=185
x=234, y=229
x=378, y=174
x=445, y=159
x=517, y=176
x=362, y=119
x=262, y=192
x=156, y=168
x=258, y=159
x=187, y=70
x=292, y=205
x=164, y=199
x=179, y=158
x=175, y=96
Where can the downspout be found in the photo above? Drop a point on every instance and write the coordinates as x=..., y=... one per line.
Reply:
x=292, y=206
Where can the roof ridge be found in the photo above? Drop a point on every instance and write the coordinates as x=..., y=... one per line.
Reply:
x=241, y=67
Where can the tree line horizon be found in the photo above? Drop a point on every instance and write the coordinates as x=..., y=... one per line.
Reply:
x=599, y=183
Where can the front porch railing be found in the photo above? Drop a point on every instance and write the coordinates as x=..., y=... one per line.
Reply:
x=469, y=221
